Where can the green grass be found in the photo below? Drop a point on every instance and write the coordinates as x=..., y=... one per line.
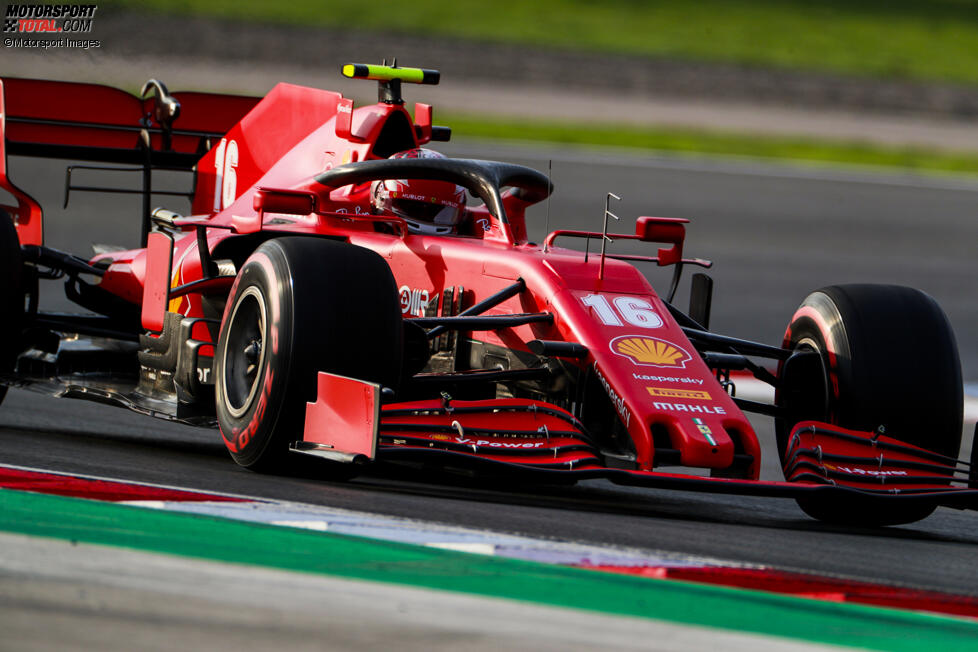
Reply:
x=917, y=39
x=693, y=141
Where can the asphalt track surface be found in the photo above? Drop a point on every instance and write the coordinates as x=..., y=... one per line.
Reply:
x=775, y=232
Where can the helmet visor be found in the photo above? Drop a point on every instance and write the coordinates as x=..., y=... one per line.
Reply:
x=424, y=211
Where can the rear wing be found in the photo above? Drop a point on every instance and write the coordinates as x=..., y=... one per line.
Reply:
x=91, y=122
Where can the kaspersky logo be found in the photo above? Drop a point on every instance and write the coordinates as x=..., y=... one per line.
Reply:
x=649, y=351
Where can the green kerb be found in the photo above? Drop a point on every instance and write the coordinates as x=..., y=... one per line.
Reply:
x=367, y=559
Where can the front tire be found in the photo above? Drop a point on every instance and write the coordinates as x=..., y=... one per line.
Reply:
x=889, y=358
x=300, y=305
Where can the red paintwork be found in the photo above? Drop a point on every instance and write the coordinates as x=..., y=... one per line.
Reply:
x=276, y=153
x=262, y=139
x=214, y=285
x=648, y=229
x=92, y=115
x=873, y=465
x=293, y=202
x=108, y=117
x=159, y=254
x=532, y=435
x=27, y=212
x=266, y=162
x=344, y=415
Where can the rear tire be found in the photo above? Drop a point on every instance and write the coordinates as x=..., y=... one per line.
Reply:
x=300, y=305
x=11, y=296
x=889, y=359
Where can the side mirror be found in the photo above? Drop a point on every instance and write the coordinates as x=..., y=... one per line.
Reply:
x=273, y=200
x=422, y=122
x=290, y=202
x=670, y=230
x=344, y=121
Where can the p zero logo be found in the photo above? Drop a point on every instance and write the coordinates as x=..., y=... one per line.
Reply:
x=678, y=393
x=650, y=352
x=413, y=301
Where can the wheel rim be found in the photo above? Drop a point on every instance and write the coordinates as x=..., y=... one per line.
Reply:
x=244, y=352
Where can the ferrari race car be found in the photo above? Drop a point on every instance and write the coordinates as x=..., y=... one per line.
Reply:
x=301, y=317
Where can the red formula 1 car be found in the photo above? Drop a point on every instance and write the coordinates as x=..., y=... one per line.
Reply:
x=332, y=293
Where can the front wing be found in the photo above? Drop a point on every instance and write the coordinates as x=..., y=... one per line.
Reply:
x=535, y=442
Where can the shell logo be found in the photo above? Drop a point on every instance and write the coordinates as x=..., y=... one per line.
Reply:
x=649, y=351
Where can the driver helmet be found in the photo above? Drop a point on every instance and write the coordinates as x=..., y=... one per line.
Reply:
x=428, y=206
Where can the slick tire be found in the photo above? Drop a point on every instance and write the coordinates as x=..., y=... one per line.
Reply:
x=889, y=358
x=11, y=296
x=300, y=305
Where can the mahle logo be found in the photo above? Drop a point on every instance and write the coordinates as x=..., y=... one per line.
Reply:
x=649, y=351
